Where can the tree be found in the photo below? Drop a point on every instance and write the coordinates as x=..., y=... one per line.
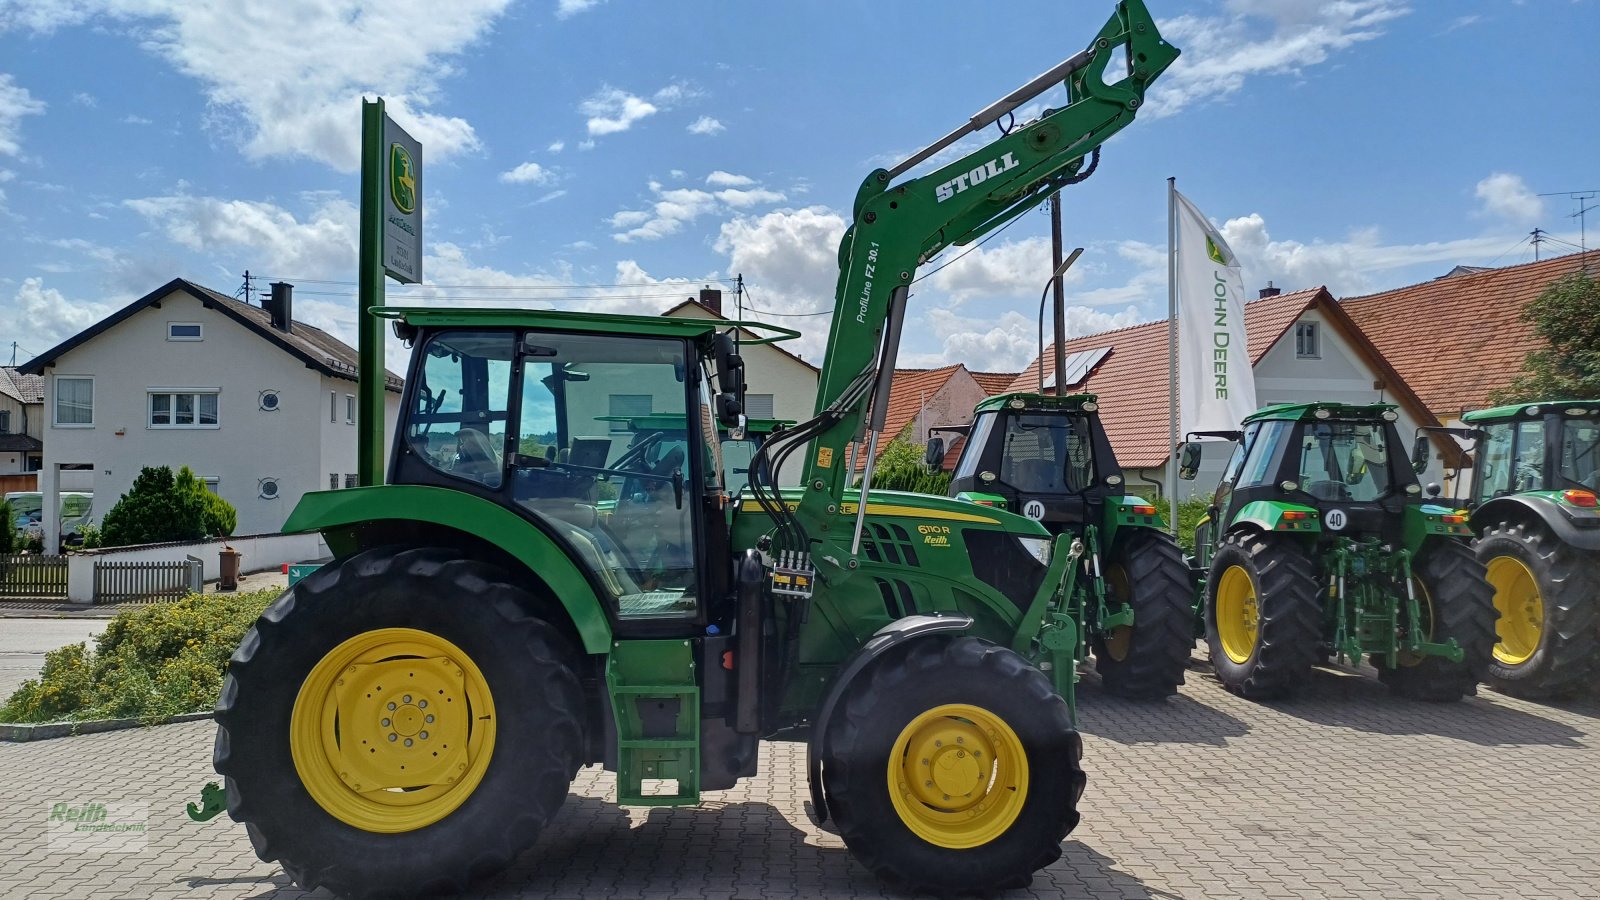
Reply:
x=1566, y=317
x=161, y=506
x=8, y=533
x=900, y=467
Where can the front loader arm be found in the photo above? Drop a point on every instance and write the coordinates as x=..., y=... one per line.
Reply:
x=899, y=225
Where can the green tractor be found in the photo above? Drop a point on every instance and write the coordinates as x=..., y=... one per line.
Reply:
x=1129, y=588
x=1535, y=513
x=537, y=588
x=1319, y=543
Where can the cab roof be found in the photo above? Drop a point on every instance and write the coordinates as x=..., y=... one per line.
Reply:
x=1294, y=412
x=1034, y=401
x=554, y=320
x=1534, y=410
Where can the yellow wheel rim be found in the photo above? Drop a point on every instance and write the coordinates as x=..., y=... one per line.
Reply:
x=1521, y=608
x=392, y=730
x=1425, y=609
x=1238, y=614
x=1118, y=642
x=958, y=776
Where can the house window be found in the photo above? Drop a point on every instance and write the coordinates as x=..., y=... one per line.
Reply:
x=184, y=331
x=333, y=406
x=628, y=406
x=183, y=409
x=758, y=406
x=5, y=421
x=349, y=481
x=333, y=481
x=1307, y=341
x=74, y=401
x=349, y=409
x=211, y=482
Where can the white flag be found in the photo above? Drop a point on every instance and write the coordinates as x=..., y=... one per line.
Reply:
x=1216, y=387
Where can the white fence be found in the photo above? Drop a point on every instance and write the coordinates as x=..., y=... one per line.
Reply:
x=258, y=553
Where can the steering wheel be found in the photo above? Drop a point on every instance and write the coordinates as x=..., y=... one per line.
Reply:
x=635, y=454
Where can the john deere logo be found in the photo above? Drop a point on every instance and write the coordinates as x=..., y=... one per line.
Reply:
x=1216, y=253
x=402, y=179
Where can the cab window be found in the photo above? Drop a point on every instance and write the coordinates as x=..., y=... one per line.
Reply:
x=1494, y=459
x=1260, y=458
x=1580, y=453
x=457, y=422
x=1344, y=461
x=1046, y=454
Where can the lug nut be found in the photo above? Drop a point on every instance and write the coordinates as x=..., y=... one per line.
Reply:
x=393, y=737
x=423, y=736
x=391, y=707
x=406, y=699
x=422, y=704
x=428, y=718
x=384, y=723
x=408, y=742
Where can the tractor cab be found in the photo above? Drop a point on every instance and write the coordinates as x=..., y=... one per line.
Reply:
x=608, y=443
x=1041, y=456
x=1548, y=447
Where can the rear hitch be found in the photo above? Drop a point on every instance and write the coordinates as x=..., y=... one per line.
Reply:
x=213, y=802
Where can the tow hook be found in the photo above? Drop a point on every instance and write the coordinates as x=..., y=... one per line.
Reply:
x=213, y=801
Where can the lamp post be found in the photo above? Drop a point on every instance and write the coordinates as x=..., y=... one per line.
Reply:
x=1060, y=270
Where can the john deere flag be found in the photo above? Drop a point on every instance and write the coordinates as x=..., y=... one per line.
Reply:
x=1215, y=385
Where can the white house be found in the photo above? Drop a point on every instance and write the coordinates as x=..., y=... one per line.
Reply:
x=778, y=384
x=21, y=426
x=260, y=406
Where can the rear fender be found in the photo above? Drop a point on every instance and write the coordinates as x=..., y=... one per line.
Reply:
x=1268, y=515
x=1562, y=521
x=343, y=516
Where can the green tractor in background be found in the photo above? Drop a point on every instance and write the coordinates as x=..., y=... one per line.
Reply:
x=1048, y=458
x=1535, y=512
x=1319, y=543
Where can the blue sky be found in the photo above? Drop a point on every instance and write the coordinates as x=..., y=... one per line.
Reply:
x=616, y=154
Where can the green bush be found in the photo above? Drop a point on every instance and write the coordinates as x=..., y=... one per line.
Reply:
x=150, y=663
x=900, y=468
x=1190, y=512
x=8, y=533
x=161, y=507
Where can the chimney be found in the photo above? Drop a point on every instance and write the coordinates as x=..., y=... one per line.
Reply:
x=280, y=305
x=1268, y=291
x=711, y=298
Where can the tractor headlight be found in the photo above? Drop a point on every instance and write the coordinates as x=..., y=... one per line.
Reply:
x=1390, y=415
x=1413, y=489
x=1290, y=485
x=1088, y=406
x=1113, y=480
x=1037, y=547
x=1323, y=413
x=1016, y=403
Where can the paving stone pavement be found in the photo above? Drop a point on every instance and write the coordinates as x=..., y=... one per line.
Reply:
x=1347, y=792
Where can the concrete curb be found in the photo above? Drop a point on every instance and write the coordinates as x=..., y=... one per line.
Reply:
x=23, y=733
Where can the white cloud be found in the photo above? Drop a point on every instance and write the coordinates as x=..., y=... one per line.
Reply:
x=790, y=259
x=720, y=178
x=258, y=235
x=706, y=125
x=83, y=99
x=1007, y=342
x=41, y=317
x=676, y=207
x=612, y=110
x=553, y=195
x=131, y=119
x=1221, y=52
x=308, y=64
x=528, y=173
x=568, y=8
x=15, y=102
x=1014, y=268
x=557, y=146
x=1508, y=197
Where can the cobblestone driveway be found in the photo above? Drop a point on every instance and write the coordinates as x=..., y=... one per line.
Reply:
x=1347, y=792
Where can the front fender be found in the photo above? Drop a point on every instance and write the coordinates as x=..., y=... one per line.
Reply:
x=882, y=641
x=1569, y=525
x=336, y=511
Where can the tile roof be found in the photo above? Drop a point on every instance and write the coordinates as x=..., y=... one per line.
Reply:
x=908, y=390
x=1132, y=381
x=317, y=348
x=1457, y=339
x=29, y=388
x=20, y=443
x=994, y=382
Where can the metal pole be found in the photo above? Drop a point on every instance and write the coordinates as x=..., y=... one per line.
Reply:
x=1172, y=348
x=369, y=293
x=1057, y=284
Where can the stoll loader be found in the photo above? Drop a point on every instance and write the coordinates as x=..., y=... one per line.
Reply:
x=1537, y=520
x=411, y=715
x=1319, y=543
x=1129, y=588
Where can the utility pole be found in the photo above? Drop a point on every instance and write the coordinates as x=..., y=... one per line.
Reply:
x=1058, y=286
x=1538, y=238
x=738, y=294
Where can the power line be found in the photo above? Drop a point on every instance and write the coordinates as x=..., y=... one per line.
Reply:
x=825, y=312
x=669, y=283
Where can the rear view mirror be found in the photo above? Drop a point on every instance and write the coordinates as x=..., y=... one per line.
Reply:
x=730, y=382
x=935, y=455
x=1419, y=454
x=1188, y=461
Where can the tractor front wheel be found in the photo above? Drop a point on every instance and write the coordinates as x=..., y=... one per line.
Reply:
x=1146, y=660
x=1263, y=619
x=398, y=724
x=1548, y=597
x=1456, y=603
x=954, y=769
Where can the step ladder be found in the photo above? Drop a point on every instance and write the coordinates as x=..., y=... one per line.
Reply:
x=655, y=702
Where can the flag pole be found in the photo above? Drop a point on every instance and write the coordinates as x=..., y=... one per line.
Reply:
x=1172, y=348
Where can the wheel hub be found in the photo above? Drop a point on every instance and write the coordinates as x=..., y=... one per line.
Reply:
x=1516, y=597
x=1238, y=614
x=403, y=724
x=958, y=776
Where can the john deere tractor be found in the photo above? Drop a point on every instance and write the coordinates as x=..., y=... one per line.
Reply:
x=1320, y=543
x=1129, y=588
x=537, y=589
x=1535, y=513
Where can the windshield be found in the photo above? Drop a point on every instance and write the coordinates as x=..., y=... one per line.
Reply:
x=1047, y=454
x=1346, y=461
x=1580, y=466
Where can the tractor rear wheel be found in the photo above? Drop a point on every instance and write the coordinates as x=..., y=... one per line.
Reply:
x=1263, y=618
x=1145, y=661
x=1456, y=602
x=1548, y=597
x=398, y=724
x=953, y=769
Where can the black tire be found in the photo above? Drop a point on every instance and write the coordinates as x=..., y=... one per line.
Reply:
x=1462, y=604
x=1567, y=656
x=1147, y=660
x=1289, y=617
x=928, y=674
x=525, y=662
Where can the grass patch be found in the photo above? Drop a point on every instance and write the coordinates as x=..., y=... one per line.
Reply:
x=150, y=663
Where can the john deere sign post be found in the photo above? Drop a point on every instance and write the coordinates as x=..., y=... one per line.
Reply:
x=391, y=245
